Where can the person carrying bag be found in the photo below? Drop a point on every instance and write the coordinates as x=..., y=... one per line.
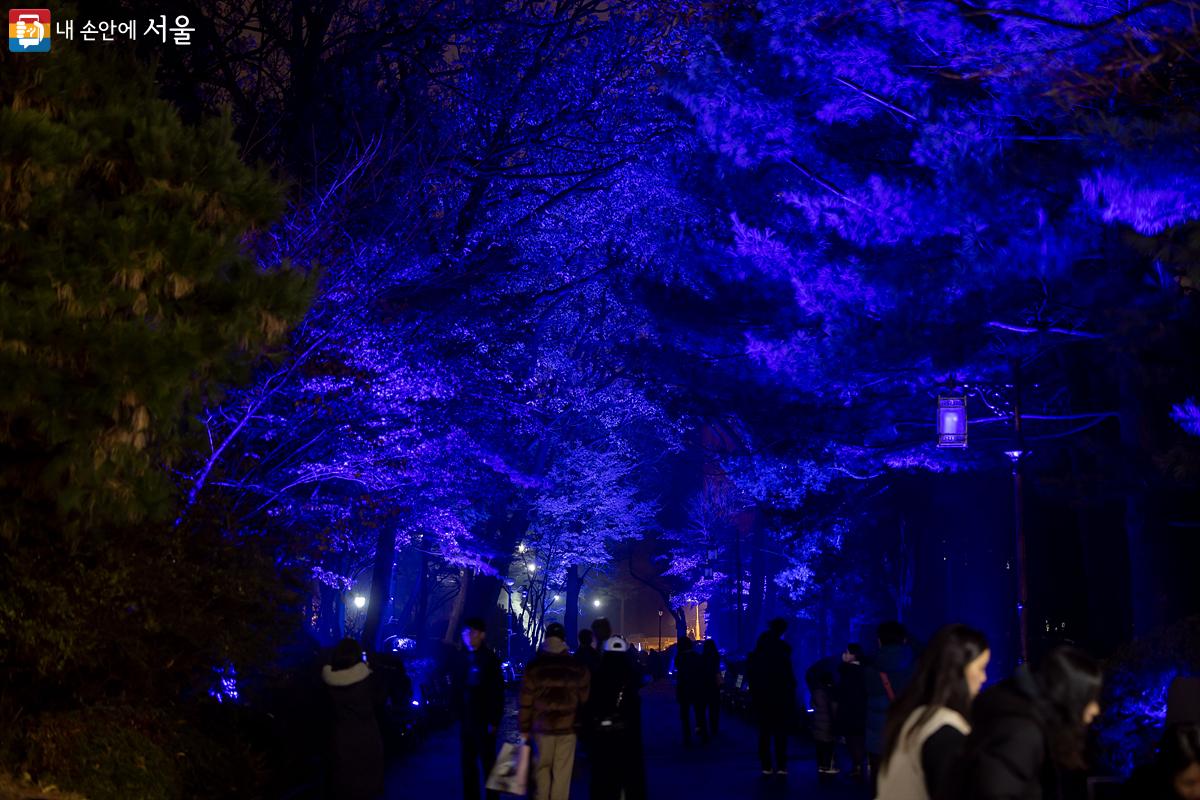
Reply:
x=511, y=771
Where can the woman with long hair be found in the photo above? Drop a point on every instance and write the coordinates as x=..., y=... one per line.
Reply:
x=1028, y=729
x=927, y=726
x=1175, y=772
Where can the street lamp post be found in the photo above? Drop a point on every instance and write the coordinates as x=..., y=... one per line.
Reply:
x=952, y=432
x=1015, y=455
x=660, y=616
x=508, y=584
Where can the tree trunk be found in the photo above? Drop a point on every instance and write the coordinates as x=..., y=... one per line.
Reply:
x=460, y=603
x=339, y=616
x=757, y=569
x=328, y=627
x=770, y=596
x=1144, y=587
x=379, y=607
x=507, y=530
x=719, y=620
x=421, y=615
x=571, y=610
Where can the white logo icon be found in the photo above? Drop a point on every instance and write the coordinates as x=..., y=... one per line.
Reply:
x=30, y=30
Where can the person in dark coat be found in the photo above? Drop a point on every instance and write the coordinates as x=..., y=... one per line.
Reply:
x=479, y=695
x=1026, y=730
x=822, y=690
x=710, y=671
x=355, y=698
x=619, y=761
x=689, y=690
x=850, y=721
x=390, y=671
x=772, y=695
x=885, y=679
x=587, y=654
x=601, y=629
x=655, y=664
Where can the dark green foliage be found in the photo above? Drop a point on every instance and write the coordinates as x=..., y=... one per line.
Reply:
x=104, y=753
x=129, y=295
x=126, y=292
x=122, y=752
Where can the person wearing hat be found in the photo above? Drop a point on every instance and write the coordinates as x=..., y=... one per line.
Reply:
x=479, y=696
x=554, y=687
x=618, y=763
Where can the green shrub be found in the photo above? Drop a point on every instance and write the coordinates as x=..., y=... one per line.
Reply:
x=210, y=751
x=103, y=753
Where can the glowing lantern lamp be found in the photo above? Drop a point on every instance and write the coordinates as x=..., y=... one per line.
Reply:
x=952, y=422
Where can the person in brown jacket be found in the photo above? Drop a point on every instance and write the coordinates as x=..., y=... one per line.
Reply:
x=554, y=687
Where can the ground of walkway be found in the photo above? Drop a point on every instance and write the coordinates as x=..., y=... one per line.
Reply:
x=727, y=767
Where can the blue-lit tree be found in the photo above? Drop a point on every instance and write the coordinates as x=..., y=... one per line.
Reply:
x=529, y=227
x=465, y=358
x=927, y=196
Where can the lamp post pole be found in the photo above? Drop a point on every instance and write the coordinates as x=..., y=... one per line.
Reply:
x=660, y=616
x=508, y=636
x=1016, y=455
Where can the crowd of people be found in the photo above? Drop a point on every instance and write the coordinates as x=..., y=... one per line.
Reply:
x=930, y=732
x=593, y=693
x=917, y=728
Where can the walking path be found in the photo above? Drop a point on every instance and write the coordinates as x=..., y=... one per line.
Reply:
x=726, y=767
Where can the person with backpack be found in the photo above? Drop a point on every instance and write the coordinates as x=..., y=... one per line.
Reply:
x=885, y=679
x=618, y=758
